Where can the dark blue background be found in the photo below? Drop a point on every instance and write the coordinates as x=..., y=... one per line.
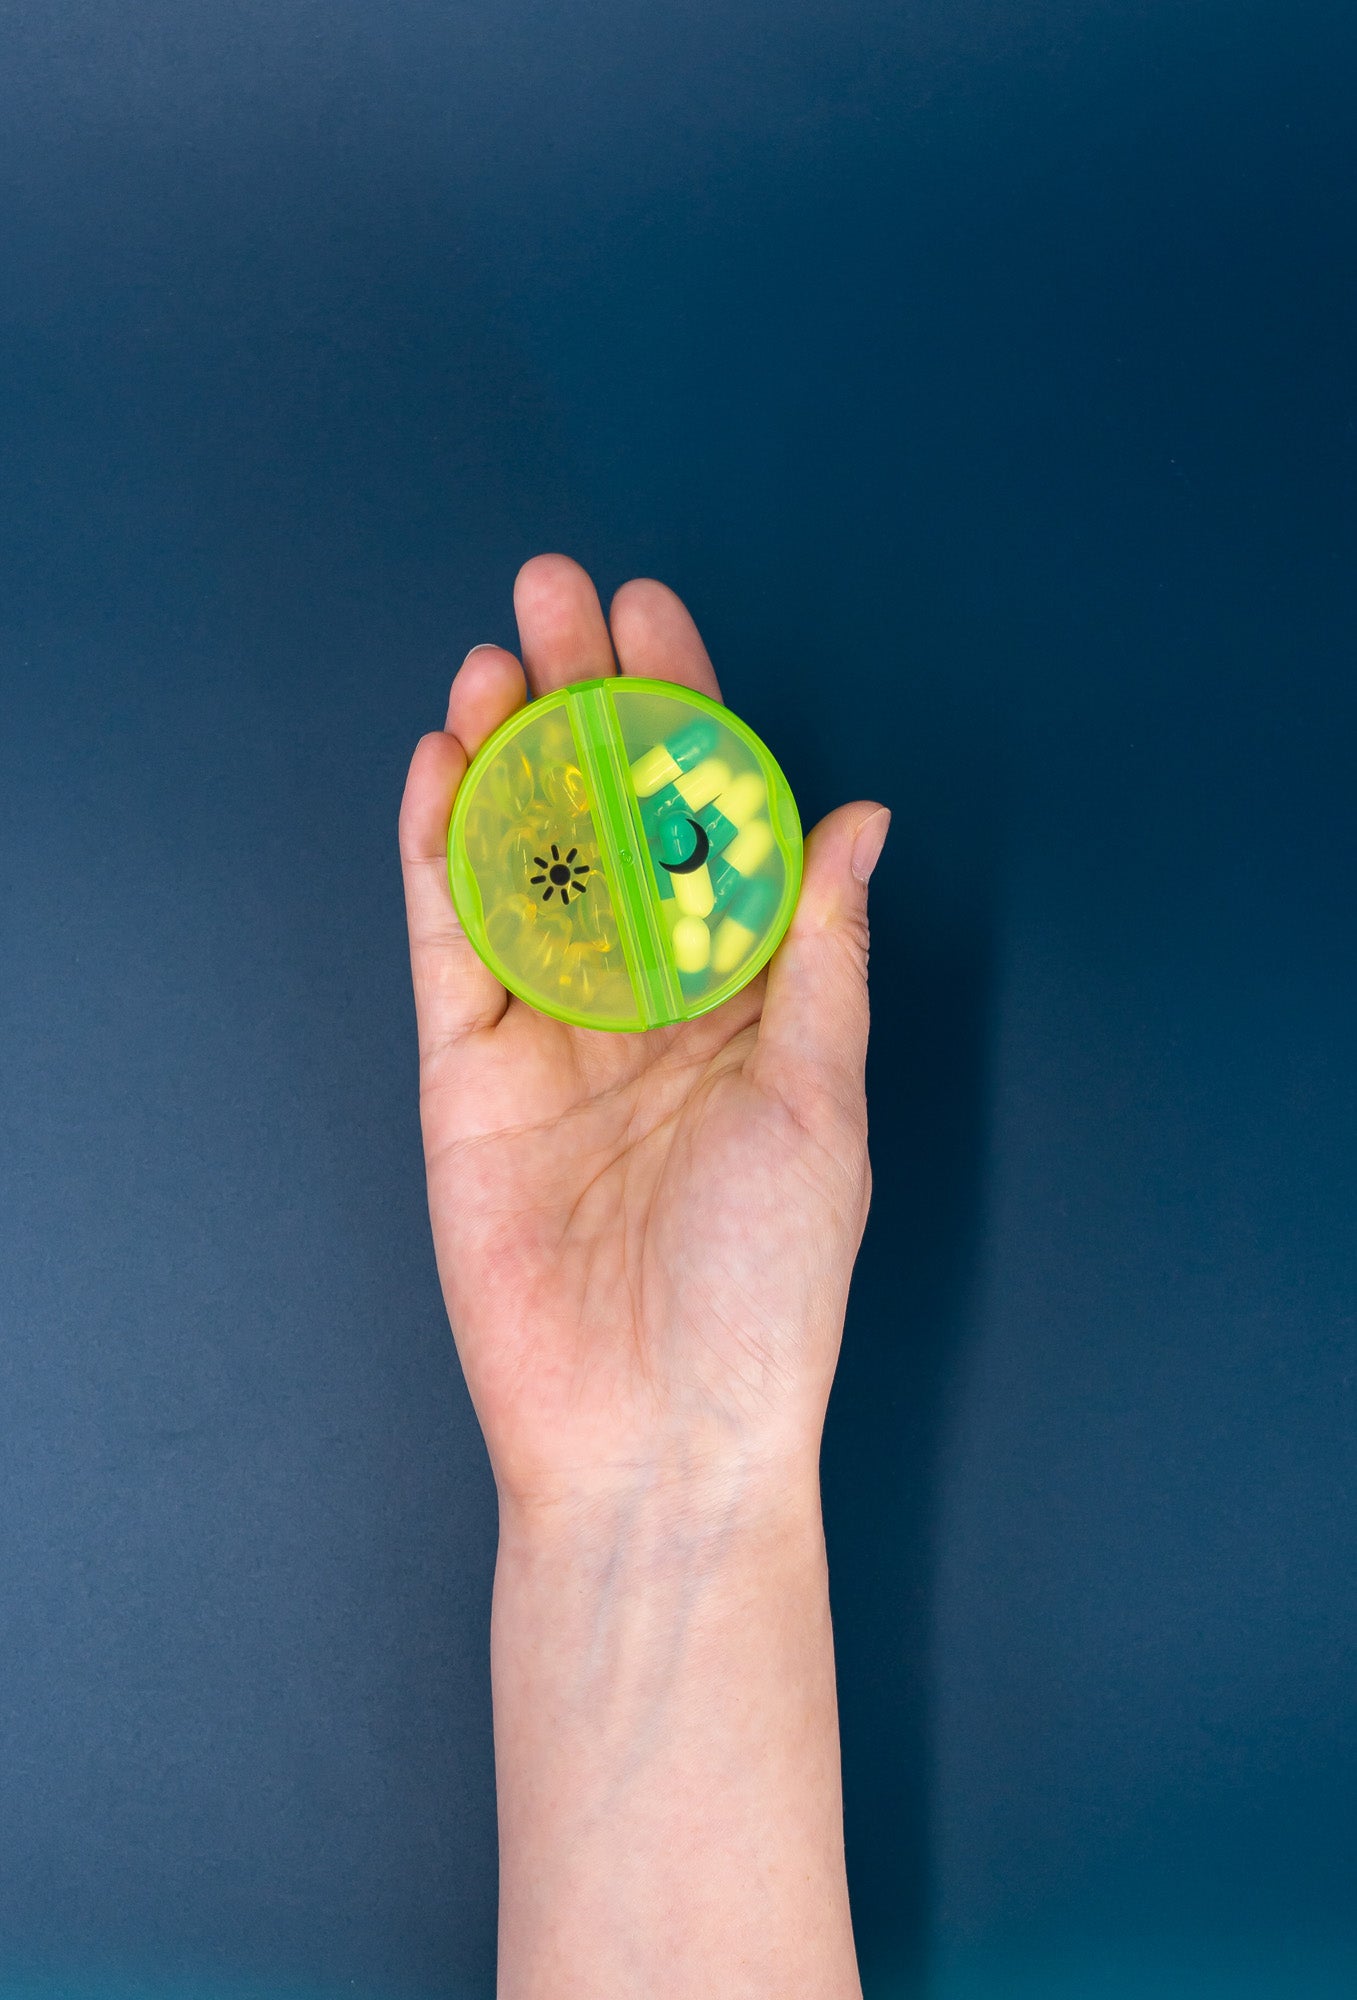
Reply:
x=982, y=374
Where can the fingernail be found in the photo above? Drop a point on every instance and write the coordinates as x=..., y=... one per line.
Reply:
x=868, y=843
x=485, y=646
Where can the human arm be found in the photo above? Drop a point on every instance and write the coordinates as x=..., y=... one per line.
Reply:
x=645, y=1243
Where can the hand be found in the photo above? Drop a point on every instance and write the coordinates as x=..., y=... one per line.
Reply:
x=644, y=1240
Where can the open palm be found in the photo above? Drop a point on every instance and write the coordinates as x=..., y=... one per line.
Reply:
x=644, y=1240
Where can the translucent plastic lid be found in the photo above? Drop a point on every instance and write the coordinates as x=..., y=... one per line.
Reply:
x=624, y=853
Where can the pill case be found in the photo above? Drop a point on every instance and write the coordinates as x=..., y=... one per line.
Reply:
x=624, y=853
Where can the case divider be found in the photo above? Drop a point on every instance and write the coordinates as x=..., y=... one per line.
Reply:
x=617, y=815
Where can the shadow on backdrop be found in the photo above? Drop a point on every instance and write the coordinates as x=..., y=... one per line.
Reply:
x=912, y=1312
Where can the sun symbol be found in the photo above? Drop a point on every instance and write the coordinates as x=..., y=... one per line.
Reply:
x=558, y=874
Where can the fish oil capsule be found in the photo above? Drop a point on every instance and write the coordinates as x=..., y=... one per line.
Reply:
x=586, y=916
x=536, y=950
x=693, y=892
x=563, y=787
x=702, y=783
x=692, y=944
x=510, y=923
x=579, y=963
x=670, y=759
x=511, y=783
x=739, y=931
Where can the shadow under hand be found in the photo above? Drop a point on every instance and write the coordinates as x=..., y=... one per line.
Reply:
x=908, y=1322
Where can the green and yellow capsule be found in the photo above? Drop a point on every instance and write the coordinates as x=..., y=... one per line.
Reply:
x=742, y=798
x=693, y=892
x=691, y=885
x=691, y=942
x=739, y=931
x=703, y=783
x=677, y=754
x=743, y=857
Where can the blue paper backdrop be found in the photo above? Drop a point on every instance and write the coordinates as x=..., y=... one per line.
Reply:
x=983, y=375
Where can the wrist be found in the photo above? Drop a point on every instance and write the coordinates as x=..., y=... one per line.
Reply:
x=664, y=1603
x=666, y=1742
x=747, y=1497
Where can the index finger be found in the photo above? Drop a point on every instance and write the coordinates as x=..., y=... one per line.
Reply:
x=455, y=992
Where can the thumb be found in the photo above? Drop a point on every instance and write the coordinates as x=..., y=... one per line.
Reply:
x=813, y=1034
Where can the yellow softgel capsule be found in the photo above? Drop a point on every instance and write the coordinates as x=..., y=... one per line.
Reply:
x=587, y=917
x=512, y=784
x=580, y=967
x=563, y=785
x=512, y=924
x=540, y=951
x=692, y=944
x=694, y=893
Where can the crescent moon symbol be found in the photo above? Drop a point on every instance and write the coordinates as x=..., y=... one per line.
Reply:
x=701, y=849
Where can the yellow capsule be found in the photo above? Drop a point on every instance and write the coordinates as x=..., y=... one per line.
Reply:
x=693, y=893
x=555, y=922
x=511, y=781
x=692, y=944
x=577, y=969
x=703, y=782
x=733, y=942
x=742, y=798
x=535, y=951
x=750, y=848
x=481, y=817
x=653, y=769
x=517, y=852
x=563, y=787
x=518, y=909
x=586, y=914
x=545, y=949
x=510, y=923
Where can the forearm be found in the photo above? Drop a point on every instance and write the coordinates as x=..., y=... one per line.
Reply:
x=667, y=1753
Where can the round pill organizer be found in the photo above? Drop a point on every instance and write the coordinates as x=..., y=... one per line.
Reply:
x=624, y=853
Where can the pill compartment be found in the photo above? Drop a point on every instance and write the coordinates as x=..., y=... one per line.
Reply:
x=624, y=853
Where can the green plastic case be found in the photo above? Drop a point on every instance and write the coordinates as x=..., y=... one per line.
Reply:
x=624, y=853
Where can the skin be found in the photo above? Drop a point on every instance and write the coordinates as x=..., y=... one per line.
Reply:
x=645, y=1243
